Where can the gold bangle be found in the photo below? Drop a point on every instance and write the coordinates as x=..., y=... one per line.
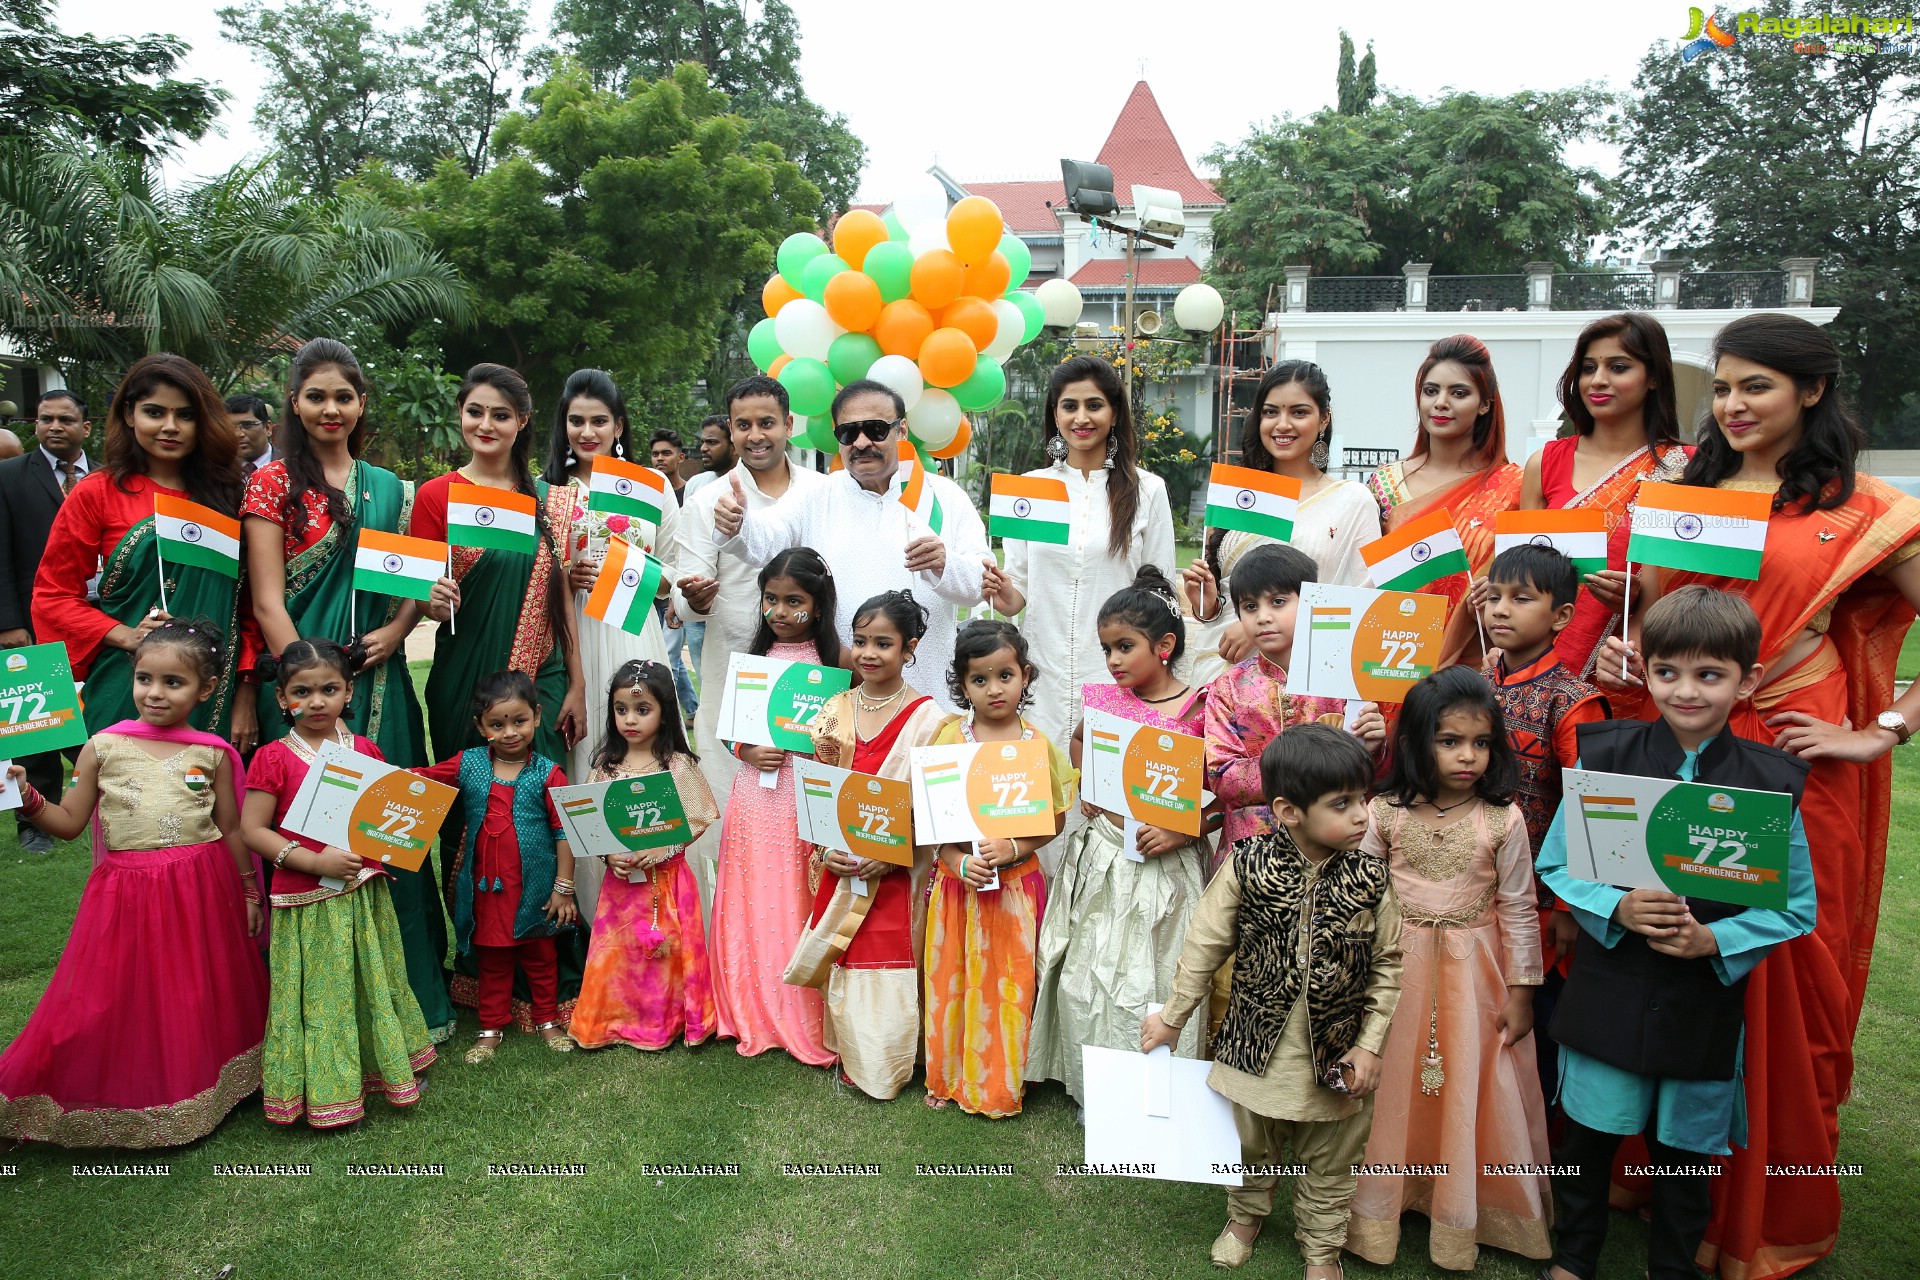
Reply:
x=280, y=859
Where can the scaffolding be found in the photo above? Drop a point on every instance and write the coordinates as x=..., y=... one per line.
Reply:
x=1244, y=357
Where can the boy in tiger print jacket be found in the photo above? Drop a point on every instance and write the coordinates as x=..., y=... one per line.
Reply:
x=1313, y=930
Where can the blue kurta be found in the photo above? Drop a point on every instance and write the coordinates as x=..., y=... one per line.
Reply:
x=1693, y=1115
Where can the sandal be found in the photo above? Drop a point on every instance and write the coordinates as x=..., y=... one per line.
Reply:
x=484, y=1046
x=561, y=1043
x=936, y=1103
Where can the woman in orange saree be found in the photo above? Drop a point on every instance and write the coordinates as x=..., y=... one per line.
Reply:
x=1459, y=465
x=1841, y=575
x=1618, y=392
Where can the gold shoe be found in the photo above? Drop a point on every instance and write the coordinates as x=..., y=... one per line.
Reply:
x=562, y=1043
x=484, y=1046
x=1229, y=1250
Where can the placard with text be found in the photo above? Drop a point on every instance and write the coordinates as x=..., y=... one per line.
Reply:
x=1151, y=775
x=623, y=815
x=369, y=807
x=1362, y=644
x=857, y=813
x=39, y=706
x=770, y=702
x=1695, y=839
x=982, y=791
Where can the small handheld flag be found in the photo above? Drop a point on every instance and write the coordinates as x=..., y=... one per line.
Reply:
x=1029, y=508
x=1421, y=552
x=492, y=519
x=1252, y=501
x=623, y=594
x=917, y=495
x=622, y=488
x=1579, y=533
x=1699, y=530
x=394, y=565
x=192, y=534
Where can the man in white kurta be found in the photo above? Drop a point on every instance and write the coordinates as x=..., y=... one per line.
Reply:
x=870, y=539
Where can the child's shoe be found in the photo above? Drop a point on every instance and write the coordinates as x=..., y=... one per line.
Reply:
x=1229, y=1250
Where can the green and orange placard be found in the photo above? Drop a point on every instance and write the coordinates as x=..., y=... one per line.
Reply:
x=1690, y=838
x=1151, y=775
x=624, y=815
x=369, y=807
x=982, y=791
x=860, y=814
x=39, y=707
x=1361, y=644
x=770, y=702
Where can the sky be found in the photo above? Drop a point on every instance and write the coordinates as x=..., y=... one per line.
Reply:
x=999, y=89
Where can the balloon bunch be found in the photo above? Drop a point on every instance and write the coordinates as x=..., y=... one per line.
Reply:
x=933, y=314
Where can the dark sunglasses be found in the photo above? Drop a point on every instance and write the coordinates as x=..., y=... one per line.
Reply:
x=874, y=429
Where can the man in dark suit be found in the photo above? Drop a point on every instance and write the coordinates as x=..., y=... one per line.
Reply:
x=32, y=488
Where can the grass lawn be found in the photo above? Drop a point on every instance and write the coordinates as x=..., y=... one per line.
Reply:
x=1909, y=665
x=617, y=1110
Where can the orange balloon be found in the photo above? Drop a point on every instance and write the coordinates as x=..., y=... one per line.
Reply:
x=989, y=277
x=857, y=231
x=853, y=301
x=974, y=228
x=975, y=319
x=779, y=363
x=902, y=327
x=947, y=357
x=937, y=278
x=834, y=463
x=778, y=293
x=956, y=446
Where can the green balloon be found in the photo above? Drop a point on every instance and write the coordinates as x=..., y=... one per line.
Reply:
x=896, y=229
x=890, y=265
x=850, y=356
x=796, y=251
x=814, y=276
x=1032, y=312
x=984, y=388
x=762, y=345
x=1019, y=258
x=809, y=385
x=820, y=435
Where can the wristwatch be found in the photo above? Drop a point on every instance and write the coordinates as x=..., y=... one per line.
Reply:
x=1896, y=724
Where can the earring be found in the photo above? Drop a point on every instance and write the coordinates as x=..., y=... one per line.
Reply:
x=1113, y=450
x=619, y=450
x=570, y=458
x=1057, y=448
x=1319, y=456
x=286, y=713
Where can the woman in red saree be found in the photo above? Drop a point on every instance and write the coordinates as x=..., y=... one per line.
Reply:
x=1458, y=464
x=1618, y=392
x=1839, y=583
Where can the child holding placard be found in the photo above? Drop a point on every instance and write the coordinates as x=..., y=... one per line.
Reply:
x=646, y=981
x=1458, y=1087
x=1652, y=1024
x=343, y=1021
x=513, y=880
x=150, y=1031
x=1110, y=944
x=983, y=917
x=760, y=895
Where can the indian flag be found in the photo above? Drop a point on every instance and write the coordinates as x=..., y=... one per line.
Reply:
x=1579, y=533
x=938, y=773
x=622, y=488
x=917, y=495
x=495, y=519
x=1332, y=618
x=1105, y=741
x=1424, y=551
x=1029, y=508
x=192, y=534
x=338, y=775
x=1252, y=501
x=394, y=565
x=623, y=593
x=1698, y=530
x=1609, y=808
x=818, y=788
x=579, y=806
x=752, y=680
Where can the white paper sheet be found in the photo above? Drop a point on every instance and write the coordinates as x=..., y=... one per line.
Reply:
x=1153, y=1116
x=9, y=789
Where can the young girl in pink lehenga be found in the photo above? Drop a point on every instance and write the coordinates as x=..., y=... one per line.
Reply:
x=1459, y=1086
x=760, y=900
x=647, y=982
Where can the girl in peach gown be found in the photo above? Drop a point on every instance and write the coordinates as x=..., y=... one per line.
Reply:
x=1459, y=1087
x=760, y=898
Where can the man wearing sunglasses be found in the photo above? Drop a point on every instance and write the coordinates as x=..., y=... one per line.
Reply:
x=869, y=537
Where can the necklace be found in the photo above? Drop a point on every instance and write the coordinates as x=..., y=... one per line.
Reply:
x=1440, y=833
x=879, y=704
x=966, y=729
x=1184, y=689
x=306, y=754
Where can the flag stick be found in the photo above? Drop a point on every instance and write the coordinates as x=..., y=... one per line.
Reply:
x=1478, y=623
x=1626, y=609
x=162, y=562
x=453, y=614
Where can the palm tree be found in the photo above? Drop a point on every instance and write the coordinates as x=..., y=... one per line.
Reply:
x=100, y=265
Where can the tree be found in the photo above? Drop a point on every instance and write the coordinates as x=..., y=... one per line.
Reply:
x=112, y=92
x=469, y=60
x=613, y=230
x=1471, y=184
x=99, y=265
x=1801, y=156
x=1355, y=90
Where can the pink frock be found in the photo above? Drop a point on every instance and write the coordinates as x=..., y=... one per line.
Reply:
x=760, y=907
x=647, y=981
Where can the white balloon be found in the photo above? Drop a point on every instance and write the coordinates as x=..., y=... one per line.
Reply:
x=899, y=373
x=935, y=421
x=805, y=329
x=1007, y=336
x=1060, y=302
x=928, y=236
x=1198, y=308
x=920, y=199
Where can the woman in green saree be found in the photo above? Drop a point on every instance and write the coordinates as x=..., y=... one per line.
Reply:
x=167, y=434
x=509, y=610
x=300, y=562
